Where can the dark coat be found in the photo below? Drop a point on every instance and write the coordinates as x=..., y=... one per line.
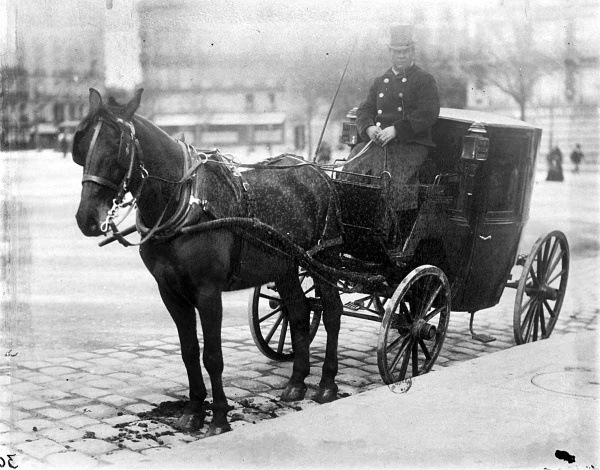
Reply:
x=410, y=103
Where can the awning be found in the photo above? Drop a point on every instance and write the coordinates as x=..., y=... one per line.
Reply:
x=72, y=124
x=45, y=128
x=219, y=119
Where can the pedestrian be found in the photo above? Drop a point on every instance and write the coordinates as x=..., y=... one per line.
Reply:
x=576, y=157
x=555, y=171
x=395, y=120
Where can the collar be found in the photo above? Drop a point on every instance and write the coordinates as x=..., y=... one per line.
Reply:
x=404, y=72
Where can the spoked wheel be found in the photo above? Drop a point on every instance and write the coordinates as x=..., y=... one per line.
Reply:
x=414, y=325
x=268, y=318
x=541, y=289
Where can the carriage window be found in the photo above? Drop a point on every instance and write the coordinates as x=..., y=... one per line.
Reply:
x=504, y=178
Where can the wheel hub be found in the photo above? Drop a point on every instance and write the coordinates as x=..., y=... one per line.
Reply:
x=424, y=330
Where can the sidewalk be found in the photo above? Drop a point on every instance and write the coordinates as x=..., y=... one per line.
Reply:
x=511, y=409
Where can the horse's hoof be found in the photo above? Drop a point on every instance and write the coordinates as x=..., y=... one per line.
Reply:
x=294, y=393
x=214, y=430
x=325, y=395
x=189, y=422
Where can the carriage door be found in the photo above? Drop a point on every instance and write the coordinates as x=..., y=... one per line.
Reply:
x=501, y=195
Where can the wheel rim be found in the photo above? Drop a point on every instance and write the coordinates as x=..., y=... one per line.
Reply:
x=541, y=289
x=414, y=325
x=269, y=319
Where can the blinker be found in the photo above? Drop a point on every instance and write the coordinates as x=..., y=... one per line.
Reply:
x=475, y=145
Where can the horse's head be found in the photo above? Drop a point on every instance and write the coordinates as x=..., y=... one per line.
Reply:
x=105, y=146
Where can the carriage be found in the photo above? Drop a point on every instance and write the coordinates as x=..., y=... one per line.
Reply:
x=307, y=234
x=457, y=253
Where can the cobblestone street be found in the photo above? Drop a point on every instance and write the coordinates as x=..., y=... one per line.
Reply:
x=89, y=408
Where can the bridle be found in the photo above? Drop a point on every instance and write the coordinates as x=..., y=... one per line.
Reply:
x=129, y=148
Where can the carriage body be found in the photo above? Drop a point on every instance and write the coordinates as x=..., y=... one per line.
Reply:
x=471, y=212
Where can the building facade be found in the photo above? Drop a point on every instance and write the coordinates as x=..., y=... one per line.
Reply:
x=58, y=55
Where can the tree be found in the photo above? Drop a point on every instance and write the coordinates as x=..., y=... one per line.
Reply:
x=514, y=66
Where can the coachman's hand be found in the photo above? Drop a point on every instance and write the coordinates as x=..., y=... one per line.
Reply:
x=386, y=136
x=373, y=132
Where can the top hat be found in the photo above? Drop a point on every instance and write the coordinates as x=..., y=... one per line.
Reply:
x=400, y=36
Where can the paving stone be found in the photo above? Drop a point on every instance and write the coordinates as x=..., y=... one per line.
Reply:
x=97, y=411
x=79, y=421
x=51, y=394
x=31, y=404
x=121, y=419
x=55, y=413
x=84, y=355
x=77, y=364
x=116, y=400
x=93, y=446
x=137, y=444
x=249, y=374
x=34, y=364
x=40, y=378
x=251, y=385
x=12, y=414
x=57, y=370
x=15, y=437
x=71, y=401
x=72, y=460
x=40, y=448
x=62, y=434
x=106, y=361
x=156, y=398
x=274, y=381
x=24, y=387
x=92, y=392
x=139, y=408
x=33, y=424
x=102, y=431
x=122, y=376
x=4, y=428
x=122, y=355
x=152, y=353
x=106, y=383
x=152, y=344
x=163, y=373
x=121, y=456
x=104, y=370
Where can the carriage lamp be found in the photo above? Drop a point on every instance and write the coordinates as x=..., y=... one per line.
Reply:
x=474, y=150
x=475, y=143
x=349, y=129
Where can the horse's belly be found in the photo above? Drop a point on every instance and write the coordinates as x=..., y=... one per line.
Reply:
x=255, y=266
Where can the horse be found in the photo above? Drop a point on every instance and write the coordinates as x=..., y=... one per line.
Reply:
x=121, y=151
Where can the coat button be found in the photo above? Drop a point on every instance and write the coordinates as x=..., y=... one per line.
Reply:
x=401, y=95
x=386, y=80
x=381, y=95
x=404, y=80
x=399, y=108
x=378, y=124
x=379, y=111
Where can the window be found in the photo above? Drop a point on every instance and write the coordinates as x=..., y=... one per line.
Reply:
x=249, y=102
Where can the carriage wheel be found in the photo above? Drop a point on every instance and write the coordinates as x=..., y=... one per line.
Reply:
x=414, y=325
x=269, y=323
x=541, y=289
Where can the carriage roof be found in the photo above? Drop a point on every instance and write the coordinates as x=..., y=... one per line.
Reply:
x=487, y=119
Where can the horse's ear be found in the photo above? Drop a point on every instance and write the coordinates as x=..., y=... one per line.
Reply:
x=95, y=100
x=133, y=105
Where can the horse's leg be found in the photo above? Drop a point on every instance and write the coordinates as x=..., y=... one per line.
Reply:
x=211, y=315
x=298, y=309
x=184, y=316
x=332, y=312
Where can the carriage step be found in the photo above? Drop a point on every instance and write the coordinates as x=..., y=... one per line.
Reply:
x=353, y=306
x=483, y=338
